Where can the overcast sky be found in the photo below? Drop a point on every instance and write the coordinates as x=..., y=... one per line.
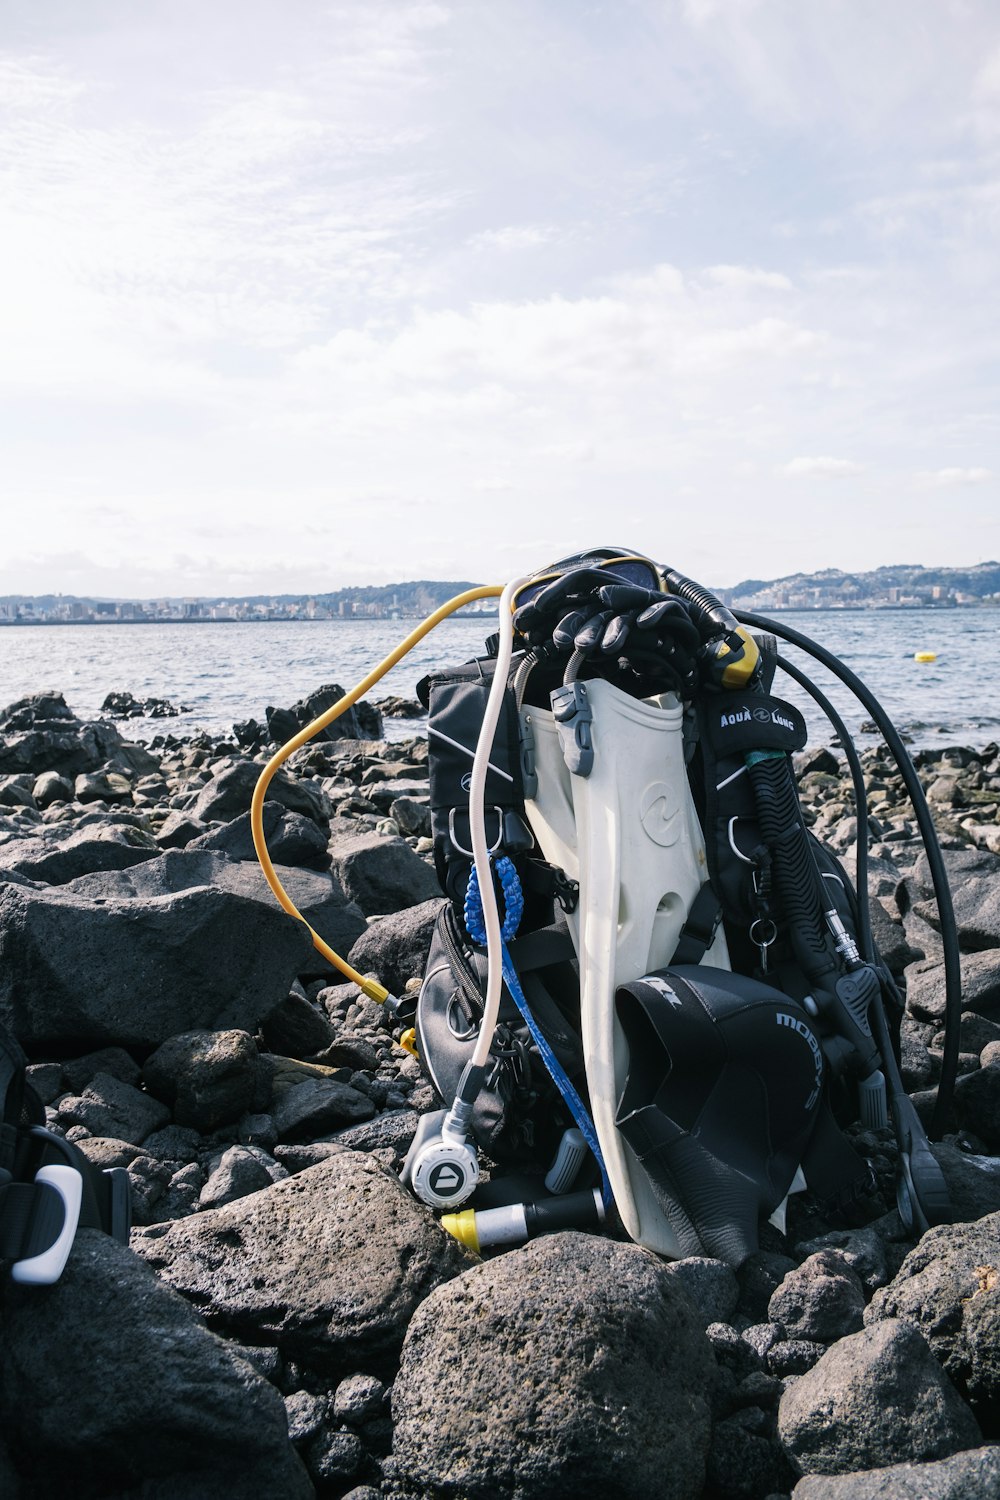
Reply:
x=295, y=295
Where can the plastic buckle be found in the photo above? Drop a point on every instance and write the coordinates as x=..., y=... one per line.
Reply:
x=574, y=720
x=529, y=774
x=516, y=836
x=47, y=1266
x=567, y=892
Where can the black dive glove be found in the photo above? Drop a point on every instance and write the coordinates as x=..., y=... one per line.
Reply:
x=584, y=611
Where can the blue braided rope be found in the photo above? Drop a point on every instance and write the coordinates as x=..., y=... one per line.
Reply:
x=514, y=907
x=513, y=902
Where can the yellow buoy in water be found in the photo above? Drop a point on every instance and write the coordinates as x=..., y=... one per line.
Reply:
x=925, y=656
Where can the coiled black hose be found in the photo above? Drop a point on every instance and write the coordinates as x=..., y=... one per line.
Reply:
x=928, y=833
x=795, y=868
x=712, y=616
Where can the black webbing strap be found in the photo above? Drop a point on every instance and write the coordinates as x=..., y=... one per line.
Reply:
x=31, y=1219
x=698, y=932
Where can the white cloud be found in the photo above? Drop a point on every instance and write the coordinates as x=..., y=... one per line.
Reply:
x=513, y=238
x=651, y=324
x=820, y=468
x=901, y=65
x=947, y=478
x=743, y=278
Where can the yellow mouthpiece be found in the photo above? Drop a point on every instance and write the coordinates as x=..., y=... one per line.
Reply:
x=463, y=1227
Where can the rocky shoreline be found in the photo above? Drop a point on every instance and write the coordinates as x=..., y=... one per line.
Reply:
x=288, y=1320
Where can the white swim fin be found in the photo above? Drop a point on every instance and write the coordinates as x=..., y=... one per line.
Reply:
x=629, y=833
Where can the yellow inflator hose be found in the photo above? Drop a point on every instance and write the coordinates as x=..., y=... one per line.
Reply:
x=370, y=987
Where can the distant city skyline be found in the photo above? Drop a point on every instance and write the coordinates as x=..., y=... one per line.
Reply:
x=893, y=587
x=295, y=296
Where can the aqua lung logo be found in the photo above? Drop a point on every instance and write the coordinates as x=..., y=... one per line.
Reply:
x=467, y=782
x=760, y=715
x=796, y=1024
x=446, y=1180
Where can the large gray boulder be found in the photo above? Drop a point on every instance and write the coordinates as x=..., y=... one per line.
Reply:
x=110, y=1107
x=875, y=1398
x=362, y=721
x=977, y=911
x=228, y=794
x=71, y=751
x=396, y=948
x=960, y=865
x=40, y=733
x=110, y=1382
x=949, y=1288
x=329, y=1264
x=103, y=964
x=821, y=1300
x=319, y=897
x=45, y=710
x=573, y=1367
x=382, y=874
x=977, y=1103
x=973, y=1181
x=925, y=992
x=318, y=1105
x=207, y=1077
x=972, y=1475
x=55, y=857
x=291, y=839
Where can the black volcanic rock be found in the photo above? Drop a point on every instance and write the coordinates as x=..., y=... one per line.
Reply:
x=877, y=1397
x=114, y=965
x=329, y=1264
x=110, y=1382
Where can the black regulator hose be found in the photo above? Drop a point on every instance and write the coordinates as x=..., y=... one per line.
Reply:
x=928, y=833
x=932, y=1192
x=711, y=615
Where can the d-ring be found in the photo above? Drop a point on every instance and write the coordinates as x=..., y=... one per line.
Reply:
x=732, y=842
x=493, y=848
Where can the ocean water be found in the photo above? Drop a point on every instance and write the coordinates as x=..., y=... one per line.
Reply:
x=225, y=672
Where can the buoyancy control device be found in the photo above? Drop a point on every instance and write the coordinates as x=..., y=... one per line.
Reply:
x=48, y=1188
x=643, y=949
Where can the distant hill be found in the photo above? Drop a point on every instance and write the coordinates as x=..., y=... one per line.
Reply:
x=907, y=583
x=980, y=581
x=410, y=598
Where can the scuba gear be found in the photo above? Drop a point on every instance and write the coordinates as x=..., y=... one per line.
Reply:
x=632, y=765
x=48, y=1188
